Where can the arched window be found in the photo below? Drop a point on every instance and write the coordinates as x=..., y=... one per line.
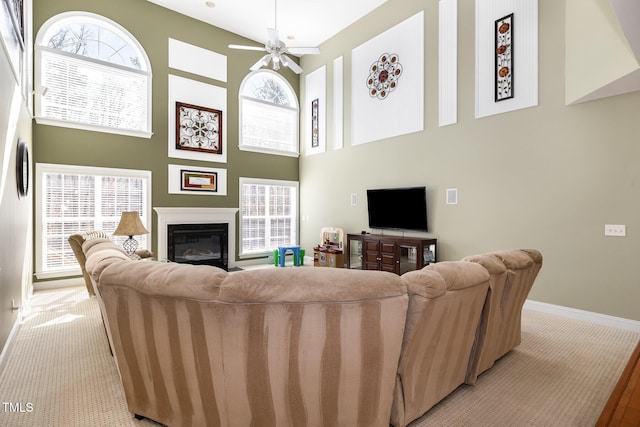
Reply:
x=268, y=114
x=92, y=74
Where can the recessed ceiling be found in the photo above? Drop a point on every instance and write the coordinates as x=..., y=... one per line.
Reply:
x=301, y=23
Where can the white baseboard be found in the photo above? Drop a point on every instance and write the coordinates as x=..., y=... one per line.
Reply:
x=587, y=316
x=57, y=284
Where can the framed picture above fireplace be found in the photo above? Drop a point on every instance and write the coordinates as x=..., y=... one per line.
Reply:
x=197, y=180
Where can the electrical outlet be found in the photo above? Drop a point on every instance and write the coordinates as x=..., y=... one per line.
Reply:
x=615, y=230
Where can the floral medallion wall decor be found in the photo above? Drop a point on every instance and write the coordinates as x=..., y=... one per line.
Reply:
x=504, y=58
x=191, y=180
x=315, y=139
x=383, y=76
x=198, y=128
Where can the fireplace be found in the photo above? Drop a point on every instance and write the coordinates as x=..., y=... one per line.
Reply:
x=177, y=216
x=198, y=244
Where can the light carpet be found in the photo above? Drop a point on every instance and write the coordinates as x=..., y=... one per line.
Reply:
x=59, y=372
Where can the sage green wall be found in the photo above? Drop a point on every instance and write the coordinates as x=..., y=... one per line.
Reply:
x=548, y=177
x=153, y=25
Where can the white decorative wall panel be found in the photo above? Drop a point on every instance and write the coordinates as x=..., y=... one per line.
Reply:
x=175, y=178
x=203, y=95
x=316, y=90
x=400, y=111
x=525, y=55
x=448, y=62
x=338, y=103
x=196, y=60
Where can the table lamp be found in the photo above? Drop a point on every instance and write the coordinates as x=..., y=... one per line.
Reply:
x=130, y=225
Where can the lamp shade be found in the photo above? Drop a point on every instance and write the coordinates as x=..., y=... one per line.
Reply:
x=130, y=225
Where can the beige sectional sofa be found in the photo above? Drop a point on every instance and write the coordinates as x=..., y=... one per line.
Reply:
x=512, y=275
x=303, y=346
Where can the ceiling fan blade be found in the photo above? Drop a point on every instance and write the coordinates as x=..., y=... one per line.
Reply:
x=274, y=36
x=239, y=46
x=261, y=63
x=303, y=50
x=288, y=62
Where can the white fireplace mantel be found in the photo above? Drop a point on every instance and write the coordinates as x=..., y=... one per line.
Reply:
x=170, y=216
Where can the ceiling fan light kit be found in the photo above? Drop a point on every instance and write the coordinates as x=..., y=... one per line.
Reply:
x=277, y=50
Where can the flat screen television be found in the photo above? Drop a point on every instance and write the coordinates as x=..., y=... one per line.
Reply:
x=398, y=208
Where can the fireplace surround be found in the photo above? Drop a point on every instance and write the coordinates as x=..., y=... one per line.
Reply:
x=177, y=216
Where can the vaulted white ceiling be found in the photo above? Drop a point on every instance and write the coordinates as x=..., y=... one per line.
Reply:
x=301, y=23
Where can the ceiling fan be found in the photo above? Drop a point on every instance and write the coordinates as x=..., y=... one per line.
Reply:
x=277, y=50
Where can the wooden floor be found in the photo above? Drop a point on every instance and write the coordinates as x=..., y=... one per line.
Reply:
x=623, y=407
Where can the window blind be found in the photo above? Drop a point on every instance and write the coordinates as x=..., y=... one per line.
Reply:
x=269, y=126
x=75, y=202
x=268, y=216
x=87, y=91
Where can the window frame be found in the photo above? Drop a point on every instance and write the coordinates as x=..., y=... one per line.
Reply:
x=296, y=109
x=295, y=220
x=117, y=29
x=50, y=168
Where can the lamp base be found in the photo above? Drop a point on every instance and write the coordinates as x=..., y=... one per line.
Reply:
x=130, y=245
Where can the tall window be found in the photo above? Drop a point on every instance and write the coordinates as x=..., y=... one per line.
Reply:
x=92, y=74
x=70, y=199
x=268, y=114
x=268, y=215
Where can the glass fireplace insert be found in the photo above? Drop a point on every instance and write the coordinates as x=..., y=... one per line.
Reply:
x=200, y=244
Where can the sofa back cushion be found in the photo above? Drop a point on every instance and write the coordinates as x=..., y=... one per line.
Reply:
x=445, y=304
x=166, y=335
x=165, y=279
x=309, y=346
x=76, y=241
x=513, y=274
x=281, y=346
x=300, y=285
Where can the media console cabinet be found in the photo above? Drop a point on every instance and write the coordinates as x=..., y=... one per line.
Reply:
x=396, y=254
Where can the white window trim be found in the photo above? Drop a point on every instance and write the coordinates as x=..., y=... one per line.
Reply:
x=268, y=151
x=44, y=168
x=260, y=181
x=246, y=147
x=39, y=90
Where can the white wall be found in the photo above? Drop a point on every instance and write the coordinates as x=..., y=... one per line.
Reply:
x=15, y=212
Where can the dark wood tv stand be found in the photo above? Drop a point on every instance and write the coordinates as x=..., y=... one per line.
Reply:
x=396, y=254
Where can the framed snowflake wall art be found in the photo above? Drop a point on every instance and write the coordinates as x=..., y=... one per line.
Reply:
x=198, y=128
x=504, y=58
